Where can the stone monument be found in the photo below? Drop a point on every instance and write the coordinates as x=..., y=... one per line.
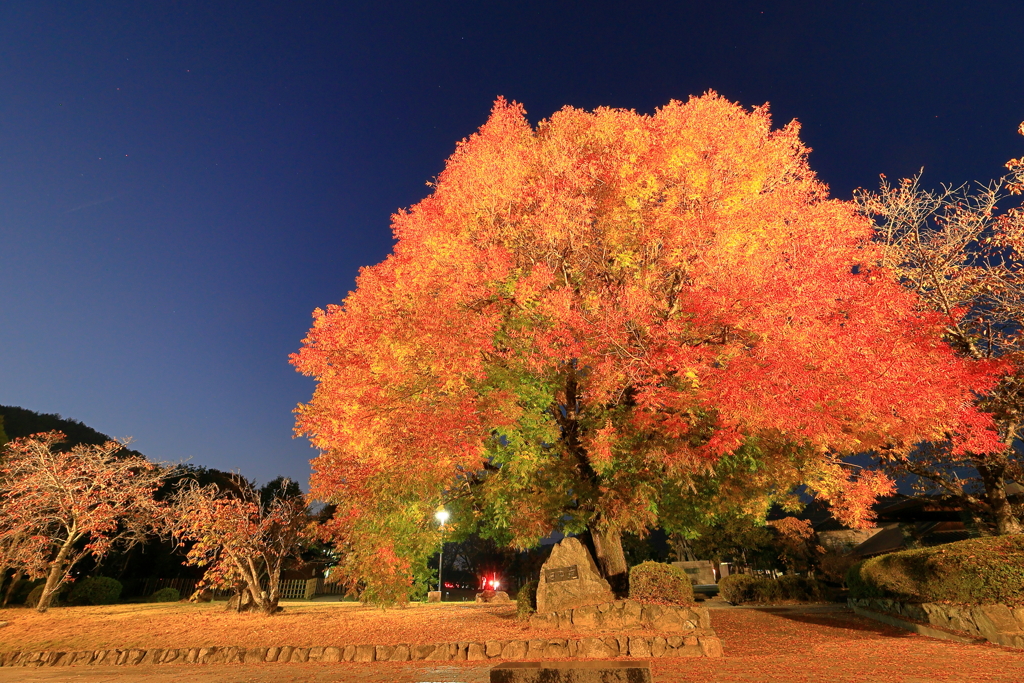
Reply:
x=570, y=579
x=701, y=572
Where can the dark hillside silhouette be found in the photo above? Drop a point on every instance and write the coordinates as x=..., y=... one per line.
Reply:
x=19, y=422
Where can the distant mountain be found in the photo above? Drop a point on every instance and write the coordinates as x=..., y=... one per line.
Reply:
x=19, y=422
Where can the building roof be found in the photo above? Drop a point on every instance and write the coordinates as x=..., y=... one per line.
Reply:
x=895, y=536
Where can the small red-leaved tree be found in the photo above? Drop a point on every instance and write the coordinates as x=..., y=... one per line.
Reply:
x=240, y=539
x=61, y=504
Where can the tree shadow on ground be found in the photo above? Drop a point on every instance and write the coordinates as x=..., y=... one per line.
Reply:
x=844, y=618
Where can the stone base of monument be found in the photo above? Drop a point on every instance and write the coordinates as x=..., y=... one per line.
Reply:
x=433, y=596
x=572, y=672
x=627, y=614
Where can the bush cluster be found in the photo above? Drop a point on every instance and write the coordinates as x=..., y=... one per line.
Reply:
x=22, y=591
x=660, y=582
x=743, y=588
x=36, y=593
x=526, y=599
x=800, y=588
x=834, y=566
x=95, y=590
x=165, y=595
x=737, y=588
x=976, y=571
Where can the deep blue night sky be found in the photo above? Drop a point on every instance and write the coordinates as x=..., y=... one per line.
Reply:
x=182, y=183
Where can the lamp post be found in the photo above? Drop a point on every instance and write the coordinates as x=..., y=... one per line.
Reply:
x=441, y=516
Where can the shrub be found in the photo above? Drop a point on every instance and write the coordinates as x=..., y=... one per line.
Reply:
x=976, y=571
x=22, y=590
x=858, y=586
x=95, y=590
x=767, y=590
x=526, y=599
x=737, y=588
x=800, y=588
x=33, y=597
x=165, y=595
x=742, y=588
x=418, y=592
x=660, y=582
x=835, y=565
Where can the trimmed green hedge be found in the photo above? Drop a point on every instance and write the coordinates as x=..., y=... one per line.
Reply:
x=977, y=571
x=743, y=588
x=165, y=595
x=660, y=582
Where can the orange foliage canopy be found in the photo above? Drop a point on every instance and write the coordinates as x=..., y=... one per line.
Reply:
x=602, y=306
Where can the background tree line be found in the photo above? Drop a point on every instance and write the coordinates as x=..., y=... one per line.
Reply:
x=87, y=505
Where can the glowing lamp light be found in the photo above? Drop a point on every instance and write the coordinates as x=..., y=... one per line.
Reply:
x=441, y=516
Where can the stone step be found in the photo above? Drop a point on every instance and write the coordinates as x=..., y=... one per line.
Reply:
x=572, y=672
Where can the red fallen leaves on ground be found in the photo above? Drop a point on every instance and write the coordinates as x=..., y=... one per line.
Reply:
x=836, y=647
x=183, y=625
x=792, y=646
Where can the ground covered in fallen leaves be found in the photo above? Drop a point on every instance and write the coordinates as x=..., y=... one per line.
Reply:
x=806, y=645
x=301, y=624
x=823, y=644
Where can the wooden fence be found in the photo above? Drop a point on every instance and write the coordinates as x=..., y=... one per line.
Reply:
x=293, y=589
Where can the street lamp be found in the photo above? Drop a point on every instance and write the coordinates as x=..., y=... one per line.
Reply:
x=441, y=516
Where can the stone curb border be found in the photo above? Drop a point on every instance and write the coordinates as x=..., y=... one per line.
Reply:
x=491, y=650
x=917, y=628
x=996, y=623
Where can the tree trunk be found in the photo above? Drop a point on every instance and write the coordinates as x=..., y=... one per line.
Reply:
x=681, y=546
x=273, y=594
x=55, y=578
x=995, y=492
x=260, y=600
x=16, y=578
x=611, y=558
x=241, y=601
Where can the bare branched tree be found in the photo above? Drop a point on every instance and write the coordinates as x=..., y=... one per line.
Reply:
x=59, y=505
x=965, y=259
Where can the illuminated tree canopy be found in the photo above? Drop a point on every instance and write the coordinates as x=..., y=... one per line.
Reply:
x=585, y=317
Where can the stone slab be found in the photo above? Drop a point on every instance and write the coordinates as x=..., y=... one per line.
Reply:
x=572, y=672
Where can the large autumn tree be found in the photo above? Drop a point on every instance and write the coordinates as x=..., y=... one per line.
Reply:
x=587, y=317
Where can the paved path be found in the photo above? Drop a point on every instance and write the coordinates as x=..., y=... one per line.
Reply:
x=809, y=644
